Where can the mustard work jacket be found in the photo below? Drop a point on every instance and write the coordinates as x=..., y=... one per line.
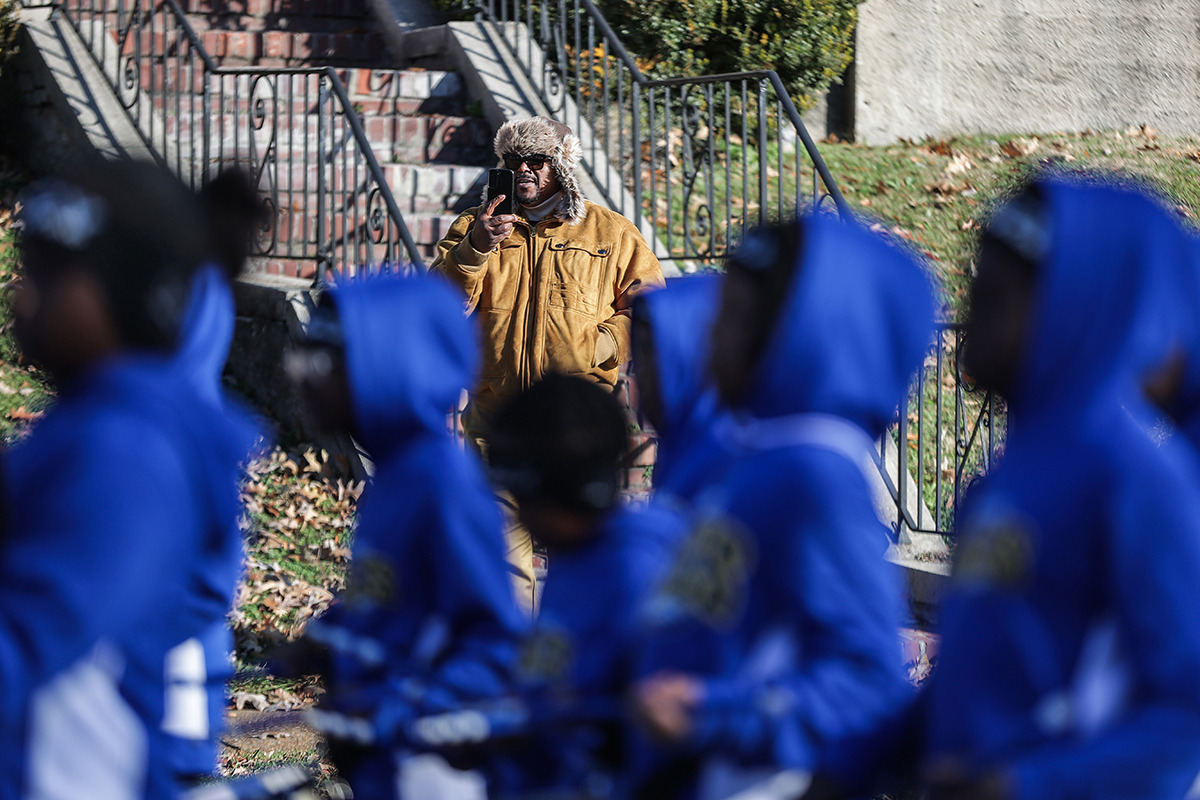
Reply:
x=546, y=295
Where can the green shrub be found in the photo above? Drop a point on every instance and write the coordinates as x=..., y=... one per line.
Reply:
x=808, y=42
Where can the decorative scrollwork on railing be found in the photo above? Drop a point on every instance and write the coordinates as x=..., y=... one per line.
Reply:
x=263, y=124
x=379, y=224
x=198, y=117
x=554, y=65
x=266, y=232
x=377, y=79
x=130, y=81
x=129, y=64
x=263, y=94
x=387, y=250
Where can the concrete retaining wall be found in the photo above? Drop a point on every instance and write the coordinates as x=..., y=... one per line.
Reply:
x=939, y=67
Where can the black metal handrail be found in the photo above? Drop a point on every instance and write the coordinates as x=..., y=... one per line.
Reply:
x=934, y=463
x=294, y=129
x=693, y=161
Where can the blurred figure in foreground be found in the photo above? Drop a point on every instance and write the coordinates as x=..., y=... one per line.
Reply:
x=672, y=338
x=820, y=327
x=199, y=669
x=125, y=484
x=232, y=208
x=429, y=621
x=1070, y=643
x=557, y=448
x=1175, y=385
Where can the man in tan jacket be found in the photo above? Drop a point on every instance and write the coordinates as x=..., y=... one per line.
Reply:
x=550, y=285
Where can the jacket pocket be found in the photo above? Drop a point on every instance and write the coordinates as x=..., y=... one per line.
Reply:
x=570, y=341
x=577, y=277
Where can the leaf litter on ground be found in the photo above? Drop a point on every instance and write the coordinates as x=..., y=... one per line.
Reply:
x=298, y=522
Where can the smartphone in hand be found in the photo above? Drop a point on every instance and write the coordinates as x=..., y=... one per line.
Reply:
x=502, y=182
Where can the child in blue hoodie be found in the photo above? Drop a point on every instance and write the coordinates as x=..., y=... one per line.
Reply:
x=557, y=448
x=1174, y=386
x=820, y=329
x=429, y=621
x=672, y=333
x=1070, y=641
x=199, y=668
x=116, y=494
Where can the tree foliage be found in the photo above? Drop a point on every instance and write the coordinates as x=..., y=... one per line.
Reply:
x=808, y=42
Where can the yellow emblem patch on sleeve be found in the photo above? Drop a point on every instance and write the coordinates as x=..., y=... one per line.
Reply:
x=546, y=656
x=372, y=582
x=712, y=572
x=996, y=553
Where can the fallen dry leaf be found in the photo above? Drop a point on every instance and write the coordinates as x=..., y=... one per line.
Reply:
x=946, y=187
x=1016, y=148
x=959, y=164
x=257, y=701
x=21, y=414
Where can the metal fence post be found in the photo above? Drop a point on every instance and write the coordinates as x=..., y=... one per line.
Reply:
x=636, y=160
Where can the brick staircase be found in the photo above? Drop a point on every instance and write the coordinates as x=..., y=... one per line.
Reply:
x=434, y=154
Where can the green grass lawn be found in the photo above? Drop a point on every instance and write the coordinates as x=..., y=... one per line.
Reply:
x=936, y=193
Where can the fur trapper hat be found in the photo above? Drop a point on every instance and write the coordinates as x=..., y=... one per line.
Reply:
x=544, y=136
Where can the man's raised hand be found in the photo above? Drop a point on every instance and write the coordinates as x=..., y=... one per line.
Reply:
x=489, y=231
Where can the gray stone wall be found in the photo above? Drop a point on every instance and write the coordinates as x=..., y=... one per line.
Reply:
x=939, y=67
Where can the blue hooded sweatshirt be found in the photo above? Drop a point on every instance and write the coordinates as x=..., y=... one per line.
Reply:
x=785, y=564
x=119, y=492
x=1180, y=309
x=208, y=331
x=681, y=317
x=429, y=586
x=580, y=657
x=198, y=669
x=1070, y=640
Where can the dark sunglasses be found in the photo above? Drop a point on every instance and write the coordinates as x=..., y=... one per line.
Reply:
x=535, y=163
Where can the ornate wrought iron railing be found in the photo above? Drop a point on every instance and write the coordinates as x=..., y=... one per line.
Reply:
x=948, y=433
x=693, y=161
x=294, y=129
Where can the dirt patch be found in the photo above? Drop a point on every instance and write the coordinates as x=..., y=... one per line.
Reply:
x=259, y=736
